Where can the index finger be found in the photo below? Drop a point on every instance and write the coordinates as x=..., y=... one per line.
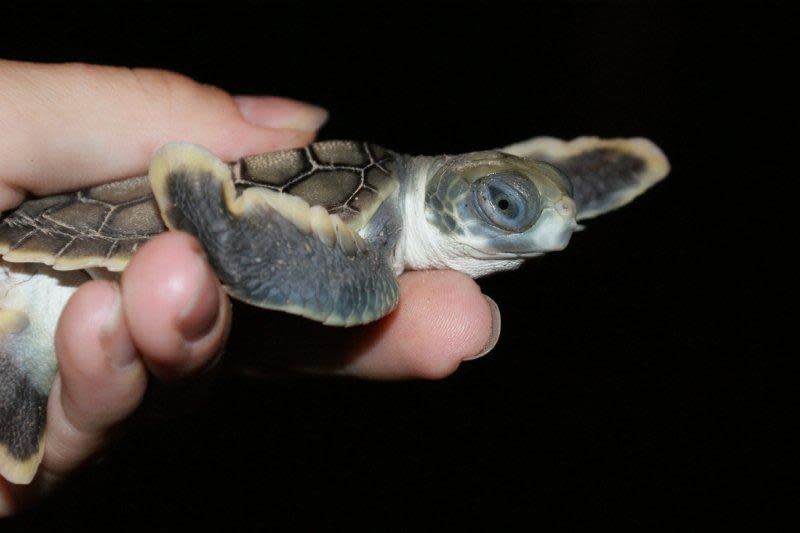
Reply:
x=63, y=127
x=442, y=319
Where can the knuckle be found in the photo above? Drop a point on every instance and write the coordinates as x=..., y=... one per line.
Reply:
x=172, y=86
x=160, y=81
x=88, y=70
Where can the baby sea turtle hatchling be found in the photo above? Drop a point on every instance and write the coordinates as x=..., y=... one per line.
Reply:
x=322, y=231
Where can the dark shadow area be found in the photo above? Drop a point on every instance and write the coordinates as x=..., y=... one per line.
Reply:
x=634, y=363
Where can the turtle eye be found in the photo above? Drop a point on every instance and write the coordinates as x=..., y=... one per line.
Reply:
x=507, y=201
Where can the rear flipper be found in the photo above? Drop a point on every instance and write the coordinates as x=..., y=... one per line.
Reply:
x=31, y=300
x=605, y=173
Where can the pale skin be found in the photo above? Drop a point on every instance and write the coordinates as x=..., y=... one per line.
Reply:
x=68, y=126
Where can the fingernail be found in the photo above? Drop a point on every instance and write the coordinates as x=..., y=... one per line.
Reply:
x=113, y=337
x=495, y=334
x=202, y=310
x=281, y=113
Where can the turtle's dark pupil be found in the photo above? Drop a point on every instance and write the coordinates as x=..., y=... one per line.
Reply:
x=507, y=201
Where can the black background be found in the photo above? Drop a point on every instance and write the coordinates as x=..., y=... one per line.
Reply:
x=631, y=366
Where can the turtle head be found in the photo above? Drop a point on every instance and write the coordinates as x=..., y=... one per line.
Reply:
x=493, y=206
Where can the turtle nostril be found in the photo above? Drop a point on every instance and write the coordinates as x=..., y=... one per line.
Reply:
x=566, y=207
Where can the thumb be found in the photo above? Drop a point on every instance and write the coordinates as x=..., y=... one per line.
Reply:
x=69, y=126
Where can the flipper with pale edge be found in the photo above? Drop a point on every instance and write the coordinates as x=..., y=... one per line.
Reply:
x=270, y=249
x=23, y=409
x=31, y=300
x=605, y=173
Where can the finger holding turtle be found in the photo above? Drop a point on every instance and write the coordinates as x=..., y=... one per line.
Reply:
x=110, y=336
x=322, y=231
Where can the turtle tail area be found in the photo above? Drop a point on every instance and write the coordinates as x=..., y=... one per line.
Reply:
x=30, y=303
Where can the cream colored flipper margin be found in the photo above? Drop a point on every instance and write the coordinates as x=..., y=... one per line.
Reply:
x=575, y=157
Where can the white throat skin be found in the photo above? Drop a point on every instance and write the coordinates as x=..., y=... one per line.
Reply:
x=422, y=246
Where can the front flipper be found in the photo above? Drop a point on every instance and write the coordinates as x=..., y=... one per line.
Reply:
x=271, y=249
x=605, y=173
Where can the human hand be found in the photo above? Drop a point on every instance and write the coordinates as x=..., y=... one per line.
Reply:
x=69, y=126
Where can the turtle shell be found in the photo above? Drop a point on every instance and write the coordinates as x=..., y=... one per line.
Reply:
x=103, y=226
